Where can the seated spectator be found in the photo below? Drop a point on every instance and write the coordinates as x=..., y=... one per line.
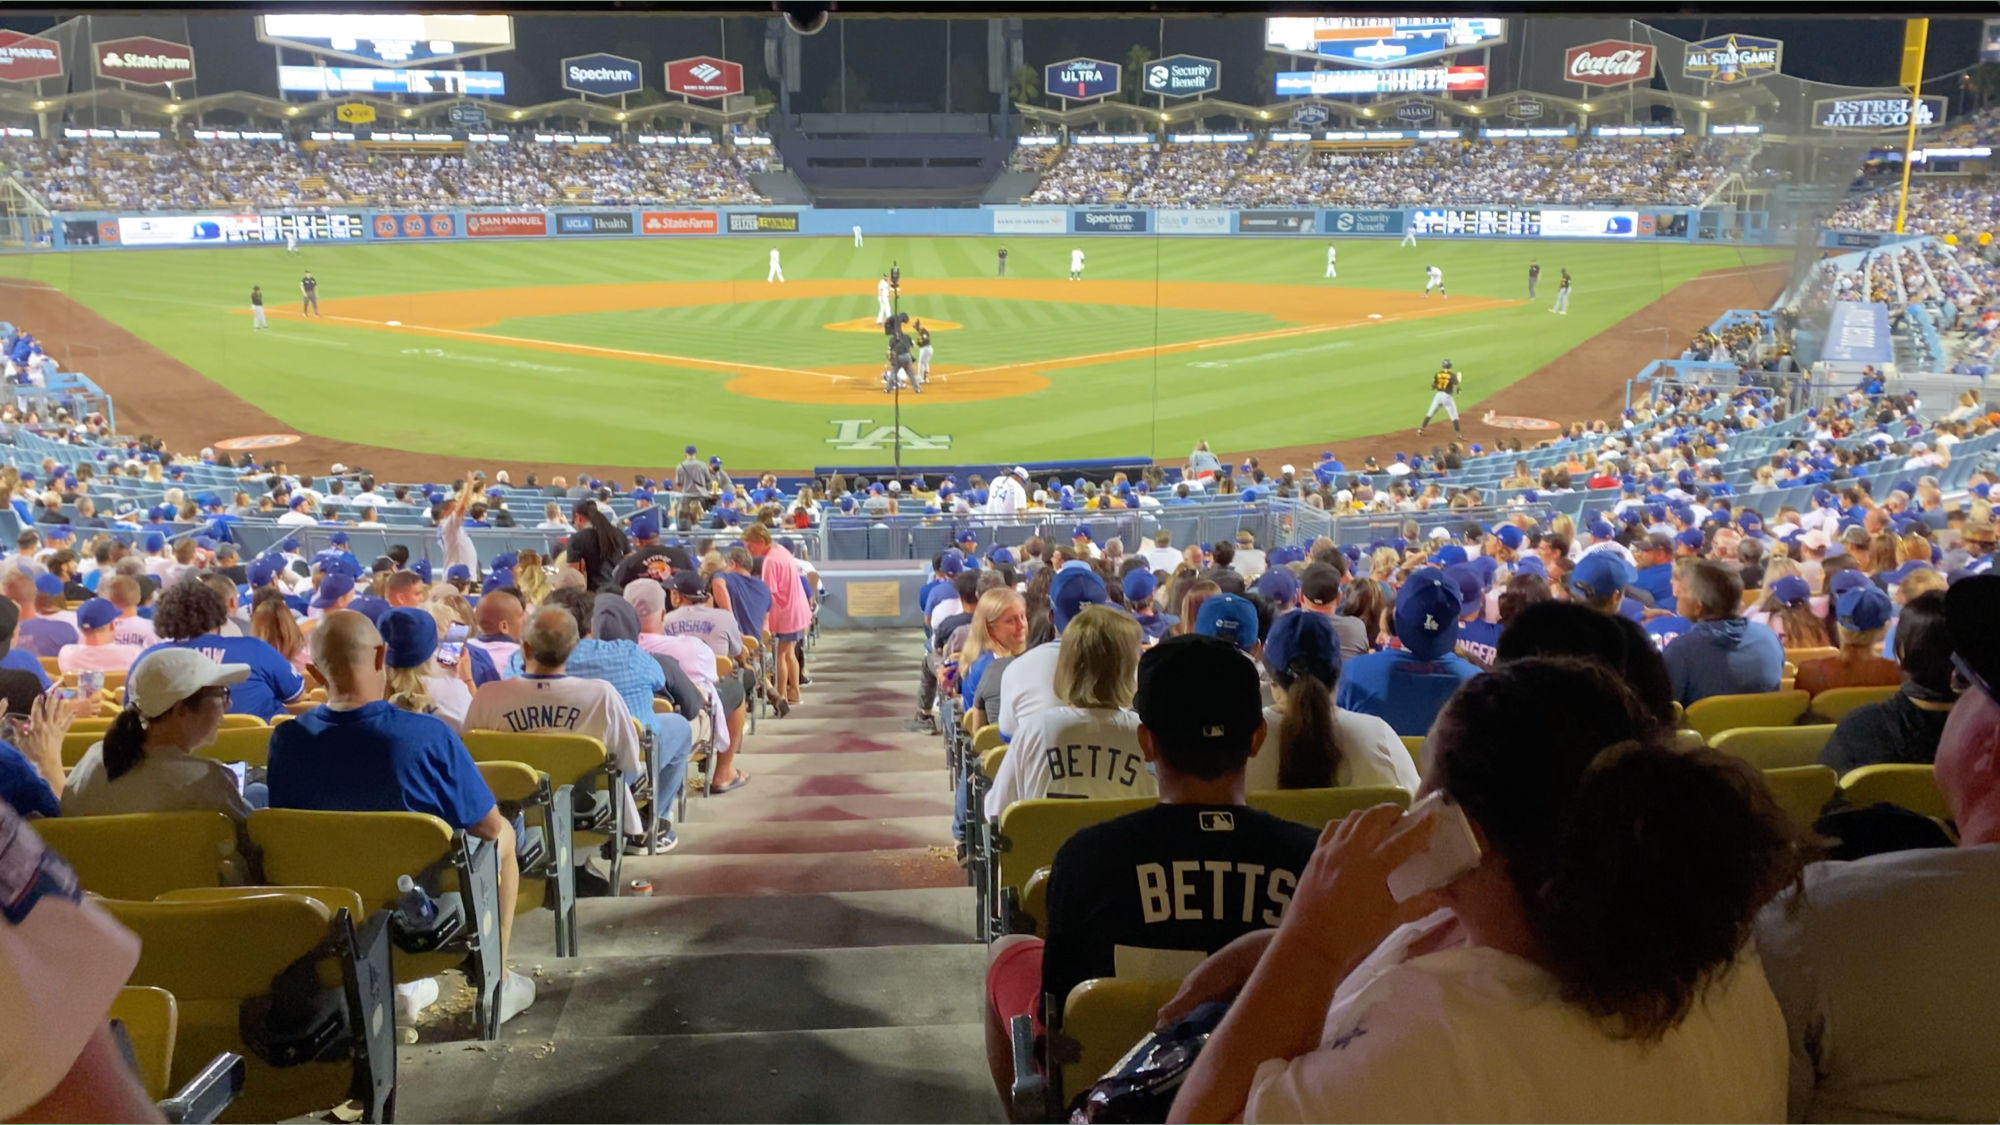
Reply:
x=1088, y=746
x=22, y=676
x=951, y=612
x=1787, y=610
x=127, y=592
x=1880, y=964
x=724, y=694
x=189, y=616
x=147, y=761
x=1721, y=653
x=272, y=622
x=1314, y=744
x=1028, y=686
x=1551, y=628
x=1906, y=726
x=1407, y=686
x=31, y=775
x=415, y=682
x=1862, y=617
x=41, y=631
x=1512, y=992
x=356, y=753
x=500, y=614
x=546, y=697
x=998, y=633
x=98, y=650
x=692, y=615
x=1200, y=721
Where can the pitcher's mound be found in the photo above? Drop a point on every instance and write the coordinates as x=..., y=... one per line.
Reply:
x=860, y=384
x=870, y=324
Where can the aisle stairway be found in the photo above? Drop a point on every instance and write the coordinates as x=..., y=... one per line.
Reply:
x=806, y=954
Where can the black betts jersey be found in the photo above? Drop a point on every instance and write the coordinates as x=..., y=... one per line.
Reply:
x=1191, y=877
x=1445, y=380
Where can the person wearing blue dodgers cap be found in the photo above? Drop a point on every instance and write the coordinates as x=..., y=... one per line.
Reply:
x=1139, y=588
x=1313, y=744
x=1862, y=618
x=1230, y=617
x=189, y=614
x=1478, y=638
x=1599, y=580
x=98, y=650
x=1407, y=686
x=42, y=631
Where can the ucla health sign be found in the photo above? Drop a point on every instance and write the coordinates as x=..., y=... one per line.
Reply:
x=1109, y=222
x=1081, y=78
x=1181, y=76
x=604, y=76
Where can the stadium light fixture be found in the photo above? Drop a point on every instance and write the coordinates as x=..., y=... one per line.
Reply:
x=39, y=105
x=292, y=112
x=409, y=113
x=1587, y=107
x=1708, y=105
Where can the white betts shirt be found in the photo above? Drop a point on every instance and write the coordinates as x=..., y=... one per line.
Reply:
x=1072, y=752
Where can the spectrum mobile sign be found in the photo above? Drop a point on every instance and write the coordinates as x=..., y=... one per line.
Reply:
x=25, y=58
x=605, y=76
x=1082, y=78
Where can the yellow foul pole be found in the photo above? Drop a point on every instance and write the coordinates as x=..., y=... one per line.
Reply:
x=1915, y=32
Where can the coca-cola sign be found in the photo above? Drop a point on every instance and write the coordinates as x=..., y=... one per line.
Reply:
x=1609, y=62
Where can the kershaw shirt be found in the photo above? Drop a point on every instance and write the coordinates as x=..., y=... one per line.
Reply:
x=714, y=627
x=1073, y=752
x=1187, y=877
x=273, y=680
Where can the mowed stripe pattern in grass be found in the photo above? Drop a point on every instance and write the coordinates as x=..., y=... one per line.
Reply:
x=482, y=398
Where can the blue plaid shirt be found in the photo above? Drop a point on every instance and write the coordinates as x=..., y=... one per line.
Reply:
x=622, y=664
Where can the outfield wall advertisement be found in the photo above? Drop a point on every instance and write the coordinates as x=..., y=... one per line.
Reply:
x=110, y=230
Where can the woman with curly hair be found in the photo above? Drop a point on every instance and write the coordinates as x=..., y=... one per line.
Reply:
x=190, y=615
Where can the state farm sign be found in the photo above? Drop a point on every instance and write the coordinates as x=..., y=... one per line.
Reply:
x=704, y=77
x=143, y=60
x=24, y=57
x=1609, y=62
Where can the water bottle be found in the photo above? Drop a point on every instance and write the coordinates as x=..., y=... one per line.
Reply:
x=416, y=907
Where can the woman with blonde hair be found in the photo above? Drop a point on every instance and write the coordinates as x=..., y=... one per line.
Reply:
x=272, y=622
x=1787, y=608
x=1093, y=737
x=414, y=682
x=1382, y=565
x=999, y=632
x=1195, y=593
x=531, y=577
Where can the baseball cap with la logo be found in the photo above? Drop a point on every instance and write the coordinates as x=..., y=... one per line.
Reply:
x=1427, y=609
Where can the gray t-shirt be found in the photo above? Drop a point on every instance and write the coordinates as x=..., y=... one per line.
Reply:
x=715, y=627
x=1888, y=981
x=987, y=698
x=1352, y=633
x=168, y=782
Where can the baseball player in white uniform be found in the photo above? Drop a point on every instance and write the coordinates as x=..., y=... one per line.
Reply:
x=1329, y=260
x=777, y=270
x=1076, y=264
x=857, y=237
x=882, y=310
x=1434, y=279
x=1444, y=386
x=1410, y=235
x=291, y=242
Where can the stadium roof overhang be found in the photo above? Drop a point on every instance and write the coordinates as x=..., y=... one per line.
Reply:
x=155, y=108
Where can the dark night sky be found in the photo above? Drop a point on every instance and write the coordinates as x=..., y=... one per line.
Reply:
x=899, y=62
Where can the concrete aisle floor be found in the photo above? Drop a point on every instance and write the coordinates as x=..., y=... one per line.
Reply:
x=806, y=955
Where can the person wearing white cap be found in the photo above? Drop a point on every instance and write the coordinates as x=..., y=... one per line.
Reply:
x=1008, y=495
x=147, y=761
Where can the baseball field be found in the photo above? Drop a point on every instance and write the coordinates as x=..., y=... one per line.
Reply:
x=616, y=353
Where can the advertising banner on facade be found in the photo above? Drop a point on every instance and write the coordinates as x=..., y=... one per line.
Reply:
x=593, y=222
x=187, y=230
x=1364, y=222
x=704, y=76
x=143, y=60
x=1192, y=222
x=1082, y=78
x=436, y=225
x=1558, y=223
x=1027, y=221
x=1609, y=62
x=1885, y=111
x=677, y=222
x=1275, y=222
x=1858, y=332
x=25, y=58
x=764, y=222
x=605, y=76
x=1109, y=222
x=1181, y=76
x=507, y=224
x=1733, y=58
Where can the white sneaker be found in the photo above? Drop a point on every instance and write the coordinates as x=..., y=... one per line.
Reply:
x=517, y=995
x=413, y=998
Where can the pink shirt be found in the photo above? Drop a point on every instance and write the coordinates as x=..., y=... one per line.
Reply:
x=790, y=612
x=690, y=652
x=97, y=658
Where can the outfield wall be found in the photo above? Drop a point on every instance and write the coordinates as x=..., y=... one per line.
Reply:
x=154, y=230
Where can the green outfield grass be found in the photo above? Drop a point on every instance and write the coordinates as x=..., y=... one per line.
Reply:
x=486, y=398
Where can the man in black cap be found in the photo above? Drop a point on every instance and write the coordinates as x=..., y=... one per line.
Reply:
x=1883, y=966
x=1192, y=874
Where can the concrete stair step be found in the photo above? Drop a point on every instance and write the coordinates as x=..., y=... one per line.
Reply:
x=767, y=784
x=753, y=924
x=758, y=760
x=870, y=804
x=786, y=738
x=886, y=1074
x=799, y=837
x=933, y=865
x=606, y=996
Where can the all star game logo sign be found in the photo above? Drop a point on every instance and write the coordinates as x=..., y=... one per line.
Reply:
x=1729, y=59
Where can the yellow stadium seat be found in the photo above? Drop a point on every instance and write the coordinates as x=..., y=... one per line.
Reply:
x=548, y=877
x=1414, y=743
x=221, y=959
x=1802, y=791
x=1912, y=787
x=1833, y=704
x=1317, y=808
x=986, y=738
x=249, y=745
x=242, y=722
x=1103, y=1019
x=78, y=743
x=1035, y=903
x=1685, y=739
x=1680, y=713
x=90, y=725
x=149, y=1017
x=50, y=666
x=571, y=761
x=989, y=761
x=1771, y=748
x=142, y=855
x=1719, y=713
x=366, y=852
x=1798, y=656
x=1030, y=832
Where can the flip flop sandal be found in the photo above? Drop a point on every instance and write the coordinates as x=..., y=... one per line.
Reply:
x=742, y=779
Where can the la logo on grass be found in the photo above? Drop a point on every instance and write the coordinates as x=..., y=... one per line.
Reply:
x=848, y=434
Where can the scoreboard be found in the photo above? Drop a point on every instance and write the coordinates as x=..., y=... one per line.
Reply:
x=1476, y=220
x=338, y=227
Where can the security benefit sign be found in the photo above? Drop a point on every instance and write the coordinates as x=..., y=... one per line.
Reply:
x=1082, y=78
x=1733, y=58
x=1888, y=111
x=1182, y=76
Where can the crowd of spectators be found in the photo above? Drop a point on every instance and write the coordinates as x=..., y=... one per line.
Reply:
x=1278, y=174
x=1961, y=211
x=185, y=175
